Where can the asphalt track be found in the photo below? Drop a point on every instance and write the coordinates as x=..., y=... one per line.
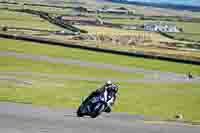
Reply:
x=23, y=118
x=149, y=75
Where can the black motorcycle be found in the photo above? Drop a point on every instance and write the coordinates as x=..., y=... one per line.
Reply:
x=94, y=107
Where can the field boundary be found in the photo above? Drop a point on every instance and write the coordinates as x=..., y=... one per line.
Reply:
x=73, y=45
x=46, y=16
x=37, y=4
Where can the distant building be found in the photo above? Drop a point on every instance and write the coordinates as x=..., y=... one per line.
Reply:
x=129, y=27
x=120, y=10
x=163, y=27
x=82, y=20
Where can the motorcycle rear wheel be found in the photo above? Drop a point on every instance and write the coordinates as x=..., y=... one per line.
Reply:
x=79, y=113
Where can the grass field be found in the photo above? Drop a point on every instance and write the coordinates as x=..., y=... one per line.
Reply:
x=189, y=36
x=62, y=86
x=55, y=51
x=55, y=91
x=164, y=100
x=51, y=10
x=148, y=11
x=21, y=19
x=26, y=65
x=17, y=19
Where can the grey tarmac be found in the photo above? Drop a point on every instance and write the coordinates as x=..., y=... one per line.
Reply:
x=24, y=118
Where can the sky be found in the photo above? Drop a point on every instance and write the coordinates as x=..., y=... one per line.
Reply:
x=185, y=2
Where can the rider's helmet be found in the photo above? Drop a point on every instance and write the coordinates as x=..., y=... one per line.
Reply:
x=109, y=82
x=111, y=87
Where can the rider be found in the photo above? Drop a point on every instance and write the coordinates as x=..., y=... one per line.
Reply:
x=111, y=89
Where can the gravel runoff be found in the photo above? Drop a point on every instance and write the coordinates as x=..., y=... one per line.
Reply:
x=150, y=75
x=24, y=118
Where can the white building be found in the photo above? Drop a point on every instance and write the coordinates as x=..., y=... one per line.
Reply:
x=109, y=10
x=163, y=27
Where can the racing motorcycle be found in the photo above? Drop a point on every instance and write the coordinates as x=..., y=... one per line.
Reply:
x=95, y=106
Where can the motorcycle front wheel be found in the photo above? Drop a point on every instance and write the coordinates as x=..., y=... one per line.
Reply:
x=98, y=109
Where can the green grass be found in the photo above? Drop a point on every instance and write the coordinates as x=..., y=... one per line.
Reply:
x=8, y=18
x=164, y=100
x=70, y=70
x=18, y=19
x=189, y=27
x=57, y=11
x=49, y=92
x=52, y=10
x=127, y=21
x=188, y=36
x=55, y=51
x=191, y=31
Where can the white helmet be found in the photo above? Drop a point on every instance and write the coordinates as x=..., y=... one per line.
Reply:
x=112, y=87
x=109, y=82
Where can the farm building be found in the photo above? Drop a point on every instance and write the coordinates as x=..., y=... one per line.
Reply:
x=82, y=20
x=163, y=27
x=114, y=10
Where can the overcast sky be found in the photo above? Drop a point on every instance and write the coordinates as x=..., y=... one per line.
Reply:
x=185, y=2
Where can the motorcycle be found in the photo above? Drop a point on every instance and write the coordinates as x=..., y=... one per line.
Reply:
x=94, y=107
